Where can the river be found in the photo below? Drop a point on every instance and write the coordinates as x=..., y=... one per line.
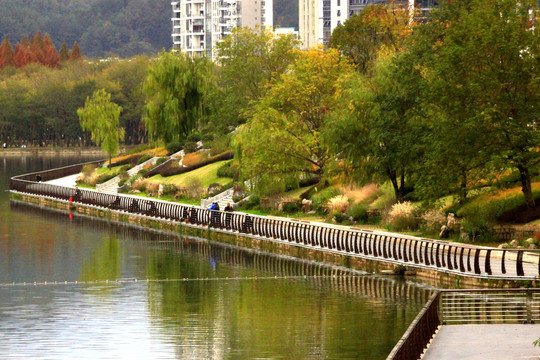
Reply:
x=74, y=287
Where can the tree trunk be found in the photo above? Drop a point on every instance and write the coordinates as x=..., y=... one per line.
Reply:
x=398, y=192
x=463, y=187
x=526, y=187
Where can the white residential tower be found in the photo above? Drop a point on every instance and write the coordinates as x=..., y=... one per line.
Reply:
x=198, y=25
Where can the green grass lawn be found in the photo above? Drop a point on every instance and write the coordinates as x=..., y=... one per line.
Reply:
x=105, y=170
x=206, y=175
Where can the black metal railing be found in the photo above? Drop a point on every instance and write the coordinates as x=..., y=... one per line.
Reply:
x=415, y=340
x=469, y=306
x=461, y=259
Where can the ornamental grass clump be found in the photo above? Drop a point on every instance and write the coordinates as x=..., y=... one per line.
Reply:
x=402, y=216
x=338, y=204
x=433, y=220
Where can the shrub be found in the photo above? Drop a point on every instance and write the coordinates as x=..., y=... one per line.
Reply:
x=253, y=201
x=161, y=160
x=341, y=218
x=478, y=221
x=140, y=184
x=124, y=169
x=170, y=189
x=105, y=177
x=291, y=207
x=321, y=198
x=173, y=147
x=230, y=170
x=190, y=147
x=144, y=158
x=194, y=189
x=192, y=159
x=123, y=181
x=358, y=212
x=338, y=203
x=214, y=189
x=402, y=216
x=433, y=220
x=152, y=188
x=193, y=137
x=88, y=169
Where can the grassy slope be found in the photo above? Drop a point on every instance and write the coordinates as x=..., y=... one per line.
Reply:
x=207, y=175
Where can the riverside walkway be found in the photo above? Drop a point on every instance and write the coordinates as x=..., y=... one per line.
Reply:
x=442, y=256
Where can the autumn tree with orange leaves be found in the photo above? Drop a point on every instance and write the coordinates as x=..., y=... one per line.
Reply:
x=40, y=49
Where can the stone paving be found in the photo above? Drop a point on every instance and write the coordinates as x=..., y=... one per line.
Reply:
x=485, y=342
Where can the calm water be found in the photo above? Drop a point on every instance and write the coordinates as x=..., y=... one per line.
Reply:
x=117, y=292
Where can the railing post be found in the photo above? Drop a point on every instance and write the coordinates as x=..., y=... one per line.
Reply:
x=449, y=258
x=519, y=263
x=488, y=262
x=427, y=253
x=477, y=261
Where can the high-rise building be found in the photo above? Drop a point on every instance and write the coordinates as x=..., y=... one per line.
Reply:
x=318, y=18
x=198, y=25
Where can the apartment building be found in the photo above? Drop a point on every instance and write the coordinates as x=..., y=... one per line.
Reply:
x=198, y=25
x=318, y=18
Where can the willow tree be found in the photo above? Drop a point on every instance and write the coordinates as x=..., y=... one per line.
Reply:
x=100, y=116
x=176, y=88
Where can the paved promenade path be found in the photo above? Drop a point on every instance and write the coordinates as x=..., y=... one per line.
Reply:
x=485, y=342
x=68, y=181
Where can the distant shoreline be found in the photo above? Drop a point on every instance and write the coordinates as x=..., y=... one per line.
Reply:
x=51, y=151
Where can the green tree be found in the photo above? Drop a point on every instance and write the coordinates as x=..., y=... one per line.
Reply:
x=63, y=53
x=362, y=35
x=100, y=117
x=250, y=60
x=484, y=75
x=283, y=136
x=176, y=89
x=374, y=133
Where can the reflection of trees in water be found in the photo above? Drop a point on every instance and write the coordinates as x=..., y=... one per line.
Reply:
x=309, y=310
x=105, y=262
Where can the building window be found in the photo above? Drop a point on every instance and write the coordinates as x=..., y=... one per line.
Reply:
x=338, y=2
x=339, y=13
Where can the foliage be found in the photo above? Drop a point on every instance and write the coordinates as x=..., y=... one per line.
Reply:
x=229, y=169
x=190, y=147
x=358, y=212
x=282, y=138
x=250, y=60
x=362, y=35
x=144, y=158
x=39, y=104
x=374, y=133
x=433, y=220
x=320, y=199
x=176, y=90
x=102, y=28
x=402, y=216
x=483, y=56
x=173, y=147
x=338, y=203
x=100, y=117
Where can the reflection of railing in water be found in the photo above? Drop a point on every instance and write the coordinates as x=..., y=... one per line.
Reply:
x=337, y=278
x=481, y=306
x=404, y=250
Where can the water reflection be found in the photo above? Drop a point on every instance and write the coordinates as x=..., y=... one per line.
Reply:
x=202, y=299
